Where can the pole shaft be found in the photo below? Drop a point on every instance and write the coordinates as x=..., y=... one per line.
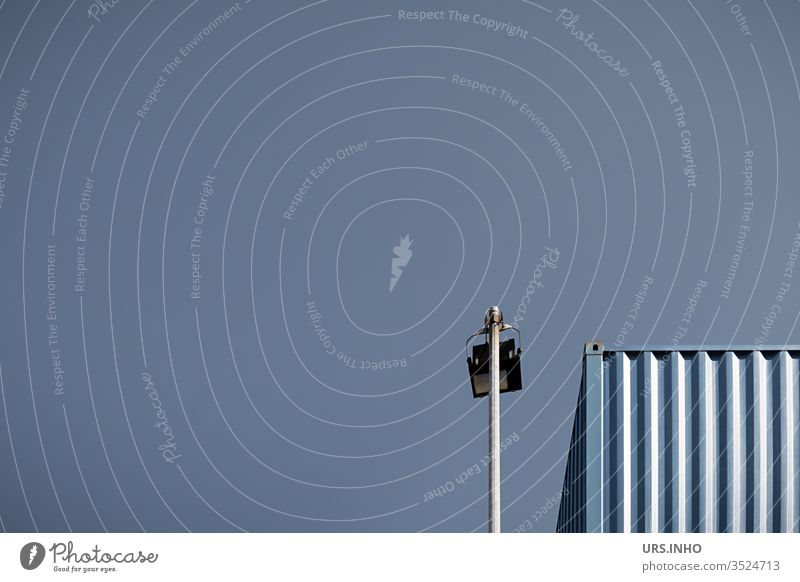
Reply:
x=494, y=430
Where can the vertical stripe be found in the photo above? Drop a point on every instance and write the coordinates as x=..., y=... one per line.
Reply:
x=787, y=434
x=680, y=377
x=626, y=443
x=737, y=426
x=725, y=453
x=654, y=443
x=773, y=461
x=794, y=525
x=761, y=439
x=613, y=442
x=601, y=443
x=675, y=500
x=594, y=441
x=709, y=469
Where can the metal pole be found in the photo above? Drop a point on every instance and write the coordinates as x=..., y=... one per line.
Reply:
x=493, y=322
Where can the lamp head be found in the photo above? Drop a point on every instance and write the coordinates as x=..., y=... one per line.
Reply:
x=479, y=369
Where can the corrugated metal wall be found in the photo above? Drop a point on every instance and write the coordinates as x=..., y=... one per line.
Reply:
x=690, y=439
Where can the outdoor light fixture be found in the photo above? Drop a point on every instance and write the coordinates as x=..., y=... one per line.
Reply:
x=493, y=369
x=510, y=374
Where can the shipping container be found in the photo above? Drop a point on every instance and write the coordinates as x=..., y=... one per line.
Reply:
x=684, y=439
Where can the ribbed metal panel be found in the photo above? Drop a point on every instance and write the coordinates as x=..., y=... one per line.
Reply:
x=685, y=439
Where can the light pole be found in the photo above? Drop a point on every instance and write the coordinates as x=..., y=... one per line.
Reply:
x=493, y=319
x=503, y=375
